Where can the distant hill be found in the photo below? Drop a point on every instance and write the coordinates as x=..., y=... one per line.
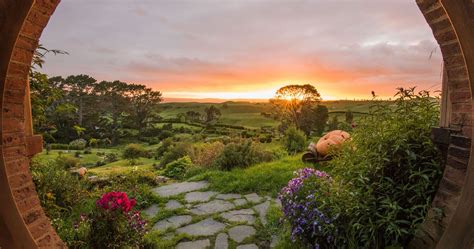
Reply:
x=248, y=114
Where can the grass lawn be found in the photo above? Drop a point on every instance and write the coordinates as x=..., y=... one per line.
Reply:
x=123, y=167
x=263, y=178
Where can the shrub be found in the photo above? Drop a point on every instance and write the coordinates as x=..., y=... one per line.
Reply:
x=100, y=163
x=295, y=140
x=77, y=154
x=67, y=162
x=389, y=173
x=78, y=143
x=88, y=150
x=111, y=157
x=177, y=151
x=132, y=152
x=177, y=169
x=165, y=145
x=114, y=225
x=304, y=208
x=57, y=188
x=241, y=154
x=208, y=154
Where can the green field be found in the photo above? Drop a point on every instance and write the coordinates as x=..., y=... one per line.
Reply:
x=249, y=114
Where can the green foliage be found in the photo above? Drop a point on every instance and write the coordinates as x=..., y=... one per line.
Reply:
x=176, y=151
x=178, y=168
x=132, y=152
x=388, y=174
x=207, y=154
x=58, y=189
x=67, y=162
x=78, y=143
x=334, y=123
x=241, y=154
x=294, y=141
x=111, y=157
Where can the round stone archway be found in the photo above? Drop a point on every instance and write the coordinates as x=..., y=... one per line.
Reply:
x=23, y=223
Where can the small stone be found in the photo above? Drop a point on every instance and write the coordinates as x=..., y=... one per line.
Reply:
x=254, y=198
x=274, y=241
x=240, y=233
x=247, y=246
x=212, y=207
x=179, y=188
x=173, y=204
x=173, y=222
x=197, y=244
x=222, y=241
x=205, y=227
x=278, y=202
x=199, y=196
x=161, y=179
x=240, y=202
x=228, y=196
x=152, y=210
x=262, y=210
x=242, y=215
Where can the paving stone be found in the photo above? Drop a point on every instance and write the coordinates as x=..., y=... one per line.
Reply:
x=173, y=222
x=254, y=198
x=212, y=207
x=222, y=241
x=205, y=227
x=179, y=188
x=152, y=210
x=197, y=244
x=240, y=233
x=199, y=196
x=247, y=246
x=240, y=202
x=262, y=210
x=228, y=196
x=242, y=215
x=173, y=204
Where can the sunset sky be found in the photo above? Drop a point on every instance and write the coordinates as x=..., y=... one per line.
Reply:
x=246, y=49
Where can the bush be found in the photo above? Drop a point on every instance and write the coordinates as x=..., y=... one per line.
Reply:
x=208, y=153
x=165, y=145
x=295, y=140
x=67, y=162
x=57, y=188
x=88, y=150
x=132, y=152
x=100, y=163
x=241, y=154
x=304, y=207
x=64, y=147
x=78, y=143
x=389, y=173
x=177, y=151
x=111, y=157
x=177, y=169
x=114, y=225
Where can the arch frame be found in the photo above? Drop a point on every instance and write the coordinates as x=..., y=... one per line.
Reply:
x=23, y=223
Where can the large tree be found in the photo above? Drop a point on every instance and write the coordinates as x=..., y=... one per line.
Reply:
x=212, y=114
x=291, y=100
x=144, y=100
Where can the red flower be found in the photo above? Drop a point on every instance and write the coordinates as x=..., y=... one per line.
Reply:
x=116, y=200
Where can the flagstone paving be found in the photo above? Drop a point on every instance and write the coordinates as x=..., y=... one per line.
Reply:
x=212, y=219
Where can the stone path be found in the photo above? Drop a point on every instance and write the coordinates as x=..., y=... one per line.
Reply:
x=212, y=219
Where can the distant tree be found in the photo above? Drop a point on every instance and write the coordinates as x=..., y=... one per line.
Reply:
x=349, y=117
x=225, y=106
x=144, y=101
x=212, y=114
x=289, y=101
x=193, y=116
x=334, y=123
x=313, y=119
x=79, y=89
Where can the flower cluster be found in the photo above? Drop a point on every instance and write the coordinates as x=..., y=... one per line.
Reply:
x=116, y=200
x=302, y=208
x=136, y=222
